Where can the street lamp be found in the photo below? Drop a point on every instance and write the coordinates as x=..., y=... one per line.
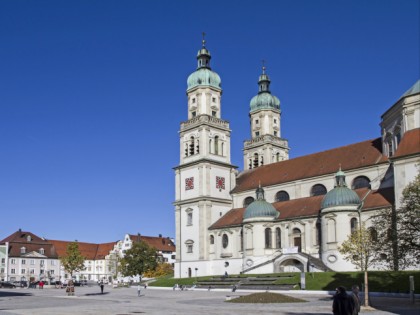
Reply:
x=196, y=269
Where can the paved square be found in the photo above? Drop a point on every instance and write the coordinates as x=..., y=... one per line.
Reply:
x=122, y=301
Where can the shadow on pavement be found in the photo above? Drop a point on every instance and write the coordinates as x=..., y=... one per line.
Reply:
x=90, y=294
x=11, y=293
x=300, y=313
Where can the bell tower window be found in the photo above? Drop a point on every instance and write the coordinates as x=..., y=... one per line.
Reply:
x=216, y=145
x=193, y=114
x=255, y=160
x=192, y=146
x=213, y=113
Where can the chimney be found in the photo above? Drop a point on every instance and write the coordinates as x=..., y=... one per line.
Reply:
x=160, y=235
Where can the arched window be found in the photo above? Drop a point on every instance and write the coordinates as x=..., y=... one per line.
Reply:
x=297, y=238
x=241, y=236
x=197, y=148
x=277, y=157
x=211, y=239
x=278, y=238
x=360, y=182
x=210, y=146
x=186, y=149
x=189, y=218
x=22, y=250
x=192, y=146
x=353, y=225
x=373, y=234
x=248, y=201
x=331, y=231
x=216, y=145
x=250, y=164
x=189, y=244
x=255, y=160
x=318, y=190
x=282, y=196
x=317, y=233
x=225, y=241
x=41, y=251
x=268, y=243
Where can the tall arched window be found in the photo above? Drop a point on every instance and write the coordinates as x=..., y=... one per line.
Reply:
x=225, y=240
x=282, y=196
x=189, y=218
x=297, y=239
x=241, y=239
x=211, y=239
x=318, y=190
x=353, y=225
x=191, y=146
x=361, y=182
x=277, y=157
x=268, y=243
x=256, y=161
x=216, y=145
x=210, y=146
x=317, y=233
x=278, y=238
x=373, y=234
x=331, y=231
x=248, y=201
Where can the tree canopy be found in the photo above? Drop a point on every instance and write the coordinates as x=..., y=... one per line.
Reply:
x=358, y=248
x=399, y=230
x=138, y=259
x=73, y=261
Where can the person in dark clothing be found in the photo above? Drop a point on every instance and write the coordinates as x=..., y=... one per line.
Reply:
x=101, y=284
x=356, y=299
x=342, y=302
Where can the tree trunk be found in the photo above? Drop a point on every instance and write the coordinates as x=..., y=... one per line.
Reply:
x=366, y=289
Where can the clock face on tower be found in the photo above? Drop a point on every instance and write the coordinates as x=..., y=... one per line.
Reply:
x=220, y=183
x=189, y=183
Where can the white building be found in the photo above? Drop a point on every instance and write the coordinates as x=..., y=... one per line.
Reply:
x=279, y=214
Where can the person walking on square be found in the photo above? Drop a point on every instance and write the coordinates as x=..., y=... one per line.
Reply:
x=342, y=302
x=102, y=287
x=138, y=289
x=356, y=299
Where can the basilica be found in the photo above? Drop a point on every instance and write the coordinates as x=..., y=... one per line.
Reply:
x=279, y=214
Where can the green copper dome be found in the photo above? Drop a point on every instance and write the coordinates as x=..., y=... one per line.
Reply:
x=260, y=208
x=264, y=99
x=204, y=76
x=341, y=195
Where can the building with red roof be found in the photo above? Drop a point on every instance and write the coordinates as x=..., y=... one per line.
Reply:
x=280, y=214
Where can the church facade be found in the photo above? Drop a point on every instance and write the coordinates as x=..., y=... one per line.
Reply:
x=279, y=214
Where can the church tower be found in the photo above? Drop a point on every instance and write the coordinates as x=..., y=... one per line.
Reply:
x=205, y=176
x=266, y=145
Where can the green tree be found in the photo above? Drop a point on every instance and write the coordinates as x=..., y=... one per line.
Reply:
x=73, y=261
x=399, y=230
x=358, y=248
x=138, y=259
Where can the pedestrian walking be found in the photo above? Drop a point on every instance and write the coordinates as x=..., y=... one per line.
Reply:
x=356, y=299
x=138, y=289
x=101, y=284
x=342, y=302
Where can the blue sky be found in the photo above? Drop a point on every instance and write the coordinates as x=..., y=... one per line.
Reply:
x=92, y=94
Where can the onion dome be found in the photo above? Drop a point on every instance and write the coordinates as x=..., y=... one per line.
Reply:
x=341, y=195
x=260, y=209
x=203, y=76
x=264, y=99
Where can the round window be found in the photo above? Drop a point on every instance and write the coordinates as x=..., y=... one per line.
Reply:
x=225, y=241
x=332, y=258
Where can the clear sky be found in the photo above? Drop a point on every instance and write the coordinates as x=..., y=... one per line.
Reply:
x=92, y=94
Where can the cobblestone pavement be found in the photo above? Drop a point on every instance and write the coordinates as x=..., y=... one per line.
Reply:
x=124, y=301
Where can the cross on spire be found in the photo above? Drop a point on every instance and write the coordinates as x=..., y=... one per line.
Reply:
x=204, y=40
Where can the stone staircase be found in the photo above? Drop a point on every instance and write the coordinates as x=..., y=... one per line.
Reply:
x=255, y=282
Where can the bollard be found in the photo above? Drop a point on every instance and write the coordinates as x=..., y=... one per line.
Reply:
x=411, y=289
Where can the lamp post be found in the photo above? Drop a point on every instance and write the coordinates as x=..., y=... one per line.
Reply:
x=196, y=269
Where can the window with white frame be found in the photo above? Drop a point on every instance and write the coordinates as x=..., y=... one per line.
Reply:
x=32, y=261
x=53, y=262
x=23, y=271
x=23, y=250
x=189, y=244
x=189, y=216
x=23, y=261
x=32, y=271
x=13, y=261
x=41, y=251
x=13, y=271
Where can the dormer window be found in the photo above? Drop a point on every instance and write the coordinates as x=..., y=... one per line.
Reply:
x=41, y=251
x=22, y=250
x=28, y=238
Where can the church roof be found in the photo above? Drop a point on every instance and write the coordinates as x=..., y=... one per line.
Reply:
x=415, y=89
x=410, y=144
x=350, y=157
x=307, y=207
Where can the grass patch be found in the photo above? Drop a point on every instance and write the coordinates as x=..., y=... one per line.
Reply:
x=266, y=297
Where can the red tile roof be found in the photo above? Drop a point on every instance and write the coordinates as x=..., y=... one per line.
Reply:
x=163, y=244
x=350, y=157
x=88, y=250
x=19, y=239
x=307, y=207
x=409, y=145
